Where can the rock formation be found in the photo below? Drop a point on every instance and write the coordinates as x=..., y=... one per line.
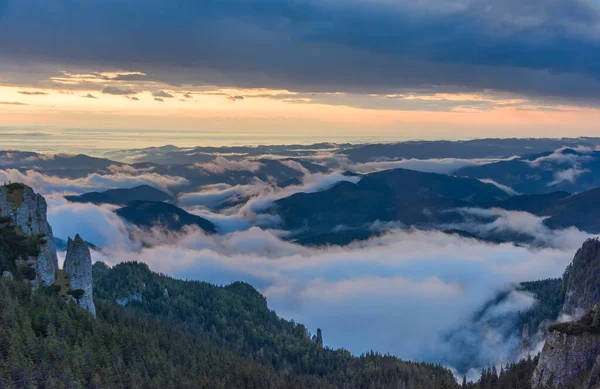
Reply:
x=78, y=267
x=582, y=286
x=571, y=355
x=28, y=211
x=524, y=347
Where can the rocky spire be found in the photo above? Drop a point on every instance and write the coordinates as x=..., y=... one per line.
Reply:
x=78, y=267
x=524, y=348
x=27, y=209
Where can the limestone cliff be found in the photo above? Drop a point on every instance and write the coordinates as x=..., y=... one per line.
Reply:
x=78, y=268
x=582, y=280
x=28, y=211
x=571, y=355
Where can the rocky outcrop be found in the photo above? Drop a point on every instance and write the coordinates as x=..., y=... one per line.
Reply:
x=78, y=267
x=27, y=209
x=524, y=348
x=571, y=355
x=581, y=284
x=566, y=359
x=124, y=301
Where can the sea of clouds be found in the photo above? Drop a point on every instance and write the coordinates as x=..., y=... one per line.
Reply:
x=403, y=292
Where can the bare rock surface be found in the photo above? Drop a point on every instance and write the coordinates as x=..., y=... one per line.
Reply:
x=28, y=211
x=565, y=359
x=78, y=267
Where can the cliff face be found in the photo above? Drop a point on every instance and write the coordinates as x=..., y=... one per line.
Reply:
x=78, y=267
x=28, y=211
x=567, y=360
x=571, y=356
x=582, y=280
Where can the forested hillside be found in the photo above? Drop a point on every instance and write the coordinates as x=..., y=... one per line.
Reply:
x=237, y=318
x=172, y=334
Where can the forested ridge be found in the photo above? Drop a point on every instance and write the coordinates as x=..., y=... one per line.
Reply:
x=236, y=317
x=173, y=334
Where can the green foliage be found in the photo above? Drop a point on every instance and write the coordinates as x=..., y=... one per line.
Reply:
x=513, y=376
x=14, y=186
x=76, y=293
x=236, y=318
x=14, y=245
x=47, y=343
x=195, y=336
x=583, y=274
x=550, y=296
x=14, y=193
x=28, y=272
x=581, y=326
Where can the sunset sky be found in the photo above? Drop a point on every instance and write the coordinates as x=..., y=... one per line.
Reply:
x=354, y=69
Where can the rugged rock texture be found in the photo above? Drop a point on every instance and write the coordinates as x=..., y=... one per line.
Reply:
x=78, y=266
x=582, y=280
x=28, y=210
x=566, y=360
x=571, y=356
x=123, y=301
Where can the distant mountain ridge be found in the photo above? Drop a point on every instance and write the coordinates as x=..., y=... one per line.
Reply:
x=565, y=169
x=392, y=195
x=122, y=196
x=477, y=148
x=149, y=214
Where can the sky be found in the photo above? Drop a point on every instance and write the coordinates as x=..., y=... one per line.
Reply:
x=152, y=72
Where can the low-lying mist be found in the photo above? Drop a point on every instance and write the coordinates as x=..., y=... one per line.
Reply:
x=402, y=293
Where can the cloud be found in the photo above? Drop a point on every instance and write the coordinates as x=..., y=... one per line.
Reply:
x=499, y=222
x=33, y=93
x=569, y=175
x=295, y=165
x=127, y=169
x=214, y=195
x=48, y=184
x=310, y=184
x=133, y=98
x=235, y=98
x=135, y=76
x=401, y=293
x=222, y=165
x=537, y=42
x=433, y=165
x=158, y=99
x=89, y=96
x=563, y=155
x=258, y=197
x=11, y=103
x=113, y=90
x=162, y=94
x=505, y=188
x=97, y=224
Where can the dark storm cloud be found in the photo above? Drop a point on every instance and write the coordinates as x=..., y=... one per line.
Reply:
x=539, y=48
